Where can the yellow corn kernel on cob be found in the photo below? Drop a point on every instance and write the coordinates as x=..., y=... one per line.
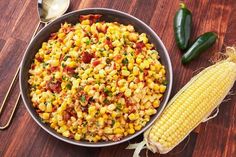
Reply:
x=192, y=105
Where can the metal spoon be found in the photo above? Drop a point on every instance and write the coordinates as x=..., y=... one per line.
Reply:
x=48, y=10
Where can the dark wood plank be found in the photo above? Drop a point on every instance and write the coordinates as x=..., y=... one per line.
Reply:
x=25, y=138
x=221, y=131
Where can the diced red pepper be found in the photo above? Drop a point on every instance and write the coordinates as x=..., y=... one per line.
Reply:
x=139, y=47
x=52, y=69
x=69, y=70
x=87, y=57
x=32, y=66
x=91, y=17
x=96, y=62
x=54, y=87
x=39, y=59
x=66, y=116
x=117, y=57
x=145, y=72
x=109, y=43
x=53, y=36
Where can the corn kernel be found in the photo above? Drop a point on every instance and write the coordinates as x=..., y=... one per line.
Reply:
x=45, y=116
x=132, y=117
x=130, y=66
x=162, y=88
x=58, y=75
x=42, y=106
x=77, y=136
x=66, y=133
x=61, y=35
x=84, y=76
x=123, y=89
x=138, y=127
x=111, y=107
x=133, y=37
x=102, y=73
x=128, y=92
x=118, y=131
x=101, y=121
x=121, y=82
x=108, y=130
x=117, y=124
x=103, y=110
x=125, y=72
x=131, y=131
x=92, y=110
x=135, y=70
x=138, y=60
x=156, y=103
x=49, y=107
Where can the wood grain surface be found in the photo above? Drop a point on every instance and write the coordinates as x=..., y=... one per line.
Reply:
x=216, y=138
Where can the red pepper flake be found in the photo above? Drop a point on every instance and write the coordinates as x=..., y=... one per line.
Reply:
x=96, y=62
x=87, y=57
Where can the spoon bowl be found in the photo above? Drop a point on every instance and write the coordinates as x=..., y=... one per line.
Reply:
x=49, y=10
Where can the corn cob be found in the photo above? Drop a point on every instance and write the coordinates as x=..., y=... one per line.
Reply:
x=192, y=105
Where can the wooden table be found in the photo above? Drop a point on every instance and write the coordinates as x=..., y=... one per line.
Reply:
x=216, y=138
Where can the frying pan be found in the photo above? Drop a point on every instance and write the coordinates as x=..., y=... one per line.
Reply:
x=108, y=15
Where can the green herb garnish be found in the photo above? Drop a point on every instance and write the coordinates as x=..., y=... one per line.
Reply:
x=68, y=86
x=63, y=65
x=119, y=106
x=82, y=98
x=106, y=101
x=45, y=64
x=125, y=61
x=165, y=82
x=113, y=122
x=87, y=42
x=66, y=57
x=107, y=91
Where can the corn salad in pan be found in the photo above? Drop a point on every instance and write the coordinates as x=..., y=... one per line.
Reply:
x=96, y=80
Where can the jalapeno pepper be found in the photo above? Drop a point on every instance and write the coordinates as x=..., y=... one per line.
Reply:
x=182, y=26
x=202, y=43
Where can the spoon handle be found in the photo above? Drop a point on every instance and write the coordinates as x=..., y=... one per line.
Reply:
x=2, y=127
